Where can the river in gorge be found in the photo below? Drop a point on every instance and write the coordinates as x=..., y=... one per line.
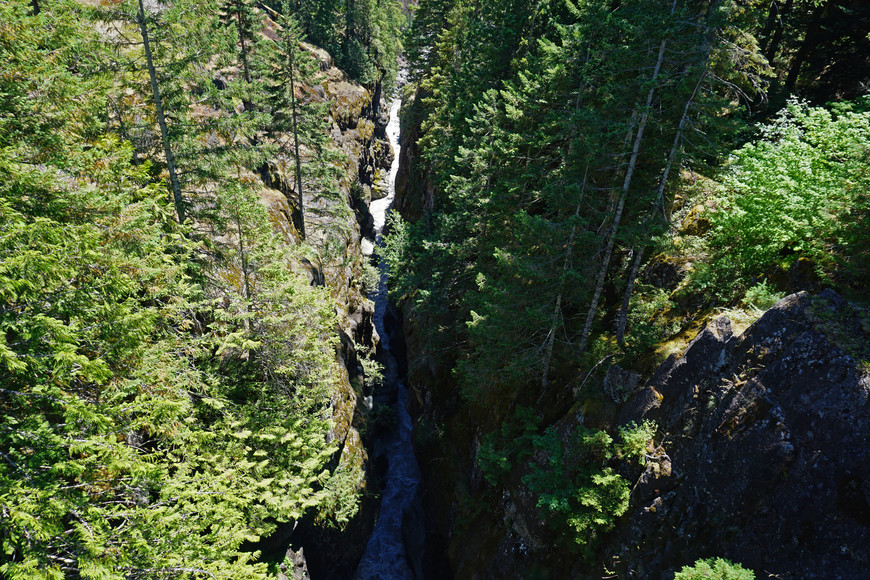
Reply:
x=395, y=548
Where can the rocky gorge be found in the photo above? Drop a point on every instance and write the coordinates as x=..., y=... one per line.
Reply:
x=338, y=226
x=760, y=453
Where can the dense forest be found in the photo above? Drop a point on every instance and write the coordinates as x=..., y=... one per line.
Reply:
x=584, y=186
x=563, y=139
x=167, y=365
x=587, y=185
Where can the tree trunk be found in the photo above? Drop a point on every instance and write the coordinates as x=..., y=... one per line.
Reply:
x=245, y=273
x=772, y=16
x=240, y=27
x=243, y=57
x=292, y=49
x=772, y=47
x=161, y=118
x=617, y=218
x=660, y=193
x=626, y=297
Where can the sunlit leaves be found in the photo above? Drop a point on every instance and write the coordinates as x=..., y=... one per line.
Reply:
x=153, y=416
x=793, y=193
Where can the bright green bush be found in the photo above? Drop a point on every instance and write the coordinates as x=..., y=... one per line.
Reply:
x=582, y=495
x=714, y=569
x=798, y=191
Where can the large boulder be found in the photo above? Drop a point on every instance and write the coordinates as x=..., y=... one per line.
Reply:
x=765, y=457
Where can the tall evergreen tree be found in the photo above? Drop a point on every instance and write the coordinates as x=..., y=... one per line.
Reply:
x=558, y=161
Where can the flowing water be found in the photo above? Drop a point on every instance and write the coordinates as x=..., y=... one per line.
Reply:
x=395, y=547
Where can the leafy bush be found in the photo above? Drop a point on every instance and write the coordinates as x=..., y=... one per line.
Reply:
x=800, y=190
x=582, y=495
x=762, y=296
x=714, y=569
x=373, y=371
x=370, y=279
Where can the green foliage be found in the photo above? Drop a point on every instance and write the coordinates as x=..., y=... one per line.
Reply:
x=364, y=36
x=373, y=371
x=370, y=279
x=165, y=393
x=501, y=450
x=762, y=296
x=714, y=569
x=581, y=495
x=572, y=478
x=393, y=251
x=799, y=191
x=340, y=496
x=636, y=440
x=529, y=113
x=647, y=318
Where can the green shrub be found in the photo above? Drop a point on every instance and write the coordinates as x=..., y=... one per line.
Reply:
x=373, y=371
x=371, y=278
x=646, y=322
x=635, y=439
x=714, y=569
x=799, y=190
x=500, y=450
x=762, y=296
x=582, y=495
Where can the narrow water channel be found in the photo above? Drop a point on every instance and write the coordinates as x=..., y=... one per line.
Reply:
x=394, y=550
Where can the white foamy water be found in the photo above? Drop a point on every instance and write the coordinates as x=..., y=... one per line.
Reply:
x=378, y=208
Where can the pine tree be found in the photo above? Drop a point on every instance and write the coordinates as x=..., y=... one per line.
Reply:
x=155, y=416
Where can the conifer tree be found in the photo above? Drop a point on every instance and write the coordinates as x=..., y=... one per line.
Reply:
x=151, y=423
x=290, y=68
x=241, y=15
x=157, y=97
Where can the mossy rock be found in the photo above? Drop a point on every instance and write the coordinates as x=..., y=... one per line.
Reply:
x=665, y=271
x=696, y=223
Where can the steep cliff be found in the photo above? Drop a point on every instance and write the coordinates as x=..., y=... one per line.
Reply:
x=763, y=457
x=760, y=457
x=335, y=226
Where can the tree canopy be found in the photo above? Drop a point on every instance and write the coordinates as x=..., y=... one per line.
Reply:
x=166, y=365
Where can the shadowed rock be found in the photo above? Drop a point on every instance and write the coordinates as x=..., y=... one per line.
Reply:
x=765, y=453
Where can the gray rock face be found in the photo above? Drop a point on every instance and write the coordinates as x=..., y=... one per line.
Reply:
x=765, y=455
x=297, y=568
